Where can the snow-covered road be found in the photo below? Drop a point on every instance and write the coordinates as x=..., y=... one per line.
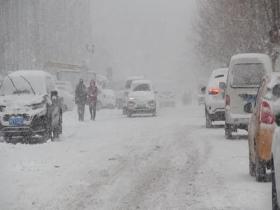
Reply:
x=166, y=162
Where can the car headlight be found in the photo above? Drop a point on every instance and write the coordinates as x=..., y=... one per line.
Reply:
x=131, y=99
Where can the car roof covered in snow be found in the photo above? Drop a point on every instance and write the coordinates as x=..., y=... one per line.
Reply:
x=220, y=71
x=252, y=58
x=142, y=81
x=31, y=73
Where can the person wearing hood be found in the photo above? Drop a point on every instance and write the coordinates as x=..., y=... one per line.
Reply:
x=81, y=99
x=92, y=99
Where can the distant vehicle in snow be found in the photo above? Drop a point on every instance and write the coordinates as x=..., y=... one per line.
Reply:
x=29, y=106
x=262, y=125
x=244, y=78
x=167, y=99
x=106, y=98
x=141, y=98
x=66, y=92
x=214, y=97
x=127, y=88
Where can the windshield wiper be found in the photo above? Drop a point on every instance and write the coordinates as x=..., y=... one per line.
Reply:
x=28, y=84
x=13, y=83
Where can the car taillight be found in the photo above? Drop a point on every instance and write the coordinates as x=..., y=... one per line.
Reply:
x=214, y=91
x=227, y=100
x=266, y=115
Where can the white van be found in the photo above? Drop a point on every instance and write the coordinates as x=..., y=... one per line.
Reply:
x=245, y=74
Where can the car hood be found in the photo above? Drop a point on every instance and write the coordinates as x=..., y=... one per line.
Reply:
x=18, y=102
x=142, y=95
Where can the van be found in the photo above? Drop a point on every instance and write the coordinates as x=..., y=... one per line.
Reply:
x=214, y=97
x=244, y=78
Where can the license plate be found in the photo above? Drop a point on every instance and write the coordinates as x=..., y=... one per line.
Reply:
x=16, y=121
x=141, y=106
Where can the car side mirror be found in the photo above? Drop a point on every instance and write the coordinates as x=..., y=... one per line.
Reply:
x=248, y=108
x=222, y=85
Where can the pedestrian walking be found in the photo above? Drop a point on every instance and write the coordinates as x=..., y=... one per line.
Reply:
x=92, y=99
x=81, y=99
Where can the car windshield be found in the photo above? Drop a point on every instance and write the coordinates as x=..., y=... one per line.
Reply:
x=247, y=74
x=20, y=85
x=142, y=87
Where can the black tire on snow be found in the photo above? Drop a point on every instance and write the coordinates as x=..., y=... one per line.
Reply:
x=260, y=171
x=228, y=131
x=208, y=121
x=274, y=189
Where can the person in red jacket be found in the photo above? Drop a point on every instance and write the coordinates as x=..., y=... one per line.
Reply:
x=92, y=99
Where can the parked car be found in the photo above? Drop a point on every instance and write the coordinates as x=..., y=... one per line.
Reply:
x=167, y=99
x=275, y=156
x=214, y=97
x=261, y=126
x=141, y=98
x=106, y=98
x=66, y=92
x=127, y=88
x=29, y=106
x=245, y=74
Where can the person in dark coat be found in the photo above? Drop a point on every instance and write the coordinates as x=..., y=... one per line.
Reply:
x=81, y=99
x=92, y=99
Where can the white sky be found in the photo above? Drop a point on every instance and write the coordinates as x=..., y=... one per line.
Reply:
x=144, y=37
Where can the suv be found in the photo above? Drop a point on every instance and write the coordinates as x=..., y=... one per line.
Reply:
x=214, y=97
x=244, y=77
x=261, y=126
x=30, y=107
x=141, y=98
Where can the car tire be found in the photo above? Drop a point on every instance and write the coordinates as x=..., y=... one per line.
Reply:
x=274, y=200
x=260, y=171
x=208, y=121
x=228, y=131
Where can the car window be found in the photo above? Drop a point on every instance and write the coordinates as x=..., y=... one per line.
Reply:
x=247, y=74
x=142, y=87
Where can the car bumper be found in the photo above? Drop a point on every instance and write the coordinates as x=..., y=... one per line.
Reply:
x=141, y=110
x=237, y=119
x=22, y=131
x=218, y=116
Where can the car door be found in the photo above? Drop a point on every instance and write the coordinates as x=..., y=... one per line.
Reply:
x=254, y=120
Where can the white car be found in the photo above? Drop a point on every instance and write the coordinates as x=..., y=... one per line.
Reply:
x=244, y=79
x=106, y=98
x=214, y=97
x=65, y=91
x=141, y=98
x=29, y=106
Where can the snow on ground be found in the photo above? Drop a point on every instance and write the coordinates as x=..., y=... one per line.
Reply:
x=166, y=162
